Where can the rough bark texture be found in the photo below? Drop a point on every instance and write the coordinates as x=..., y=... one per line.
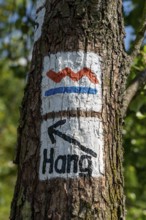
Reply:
x=93, y=25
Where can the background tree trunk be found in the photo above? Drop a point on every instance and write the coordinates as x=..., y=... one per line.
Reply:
x=88, y=26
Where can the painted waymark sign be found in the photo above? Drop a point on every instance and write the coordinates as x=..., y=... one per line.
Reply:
x=57, y=77
x=71, y=146
x=71, y=81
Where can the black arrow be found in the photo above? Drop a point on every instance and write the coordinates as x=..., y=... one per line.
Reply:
x=52, y=131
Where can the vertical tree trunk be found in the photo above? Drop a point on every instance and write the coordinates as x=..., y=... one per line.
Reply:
x=69, y=152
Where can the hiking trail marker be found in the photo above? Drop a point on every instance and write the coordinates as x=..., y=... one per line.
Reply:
x=71, y=146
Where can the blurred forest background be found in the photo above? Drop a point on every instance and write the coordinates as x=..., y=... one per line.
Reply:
x=16, y=41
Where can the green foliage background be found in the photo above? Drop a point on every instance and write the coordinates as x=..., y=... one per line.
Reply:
x=16, y=30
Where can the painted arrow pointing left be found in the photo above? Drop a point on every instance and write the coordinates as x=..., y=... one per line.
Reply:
x=52, y=131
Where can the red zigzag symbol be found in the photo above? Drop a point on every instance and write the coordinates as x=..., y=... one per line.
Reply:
x=57, y=77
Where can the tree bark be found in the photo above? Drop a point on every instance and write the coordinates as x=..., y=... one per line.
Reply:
x=86, y=27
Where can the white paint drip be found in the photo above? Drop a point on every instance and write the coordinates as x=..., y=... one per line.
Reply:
x=39, y=21
x=76, y=61
x=40, y=3
x=88, y=132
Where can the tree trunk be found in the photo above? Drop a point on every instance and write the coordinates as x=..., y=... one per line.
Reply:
x=69, y=152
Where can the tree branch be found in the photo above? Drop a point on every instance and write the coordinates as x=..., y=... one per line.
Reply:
x=138, y=83
x=140, y=35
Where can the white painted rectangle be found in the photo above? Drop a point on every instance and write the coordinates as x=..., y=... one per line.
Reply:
x=78, y=152
x=78, y=85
